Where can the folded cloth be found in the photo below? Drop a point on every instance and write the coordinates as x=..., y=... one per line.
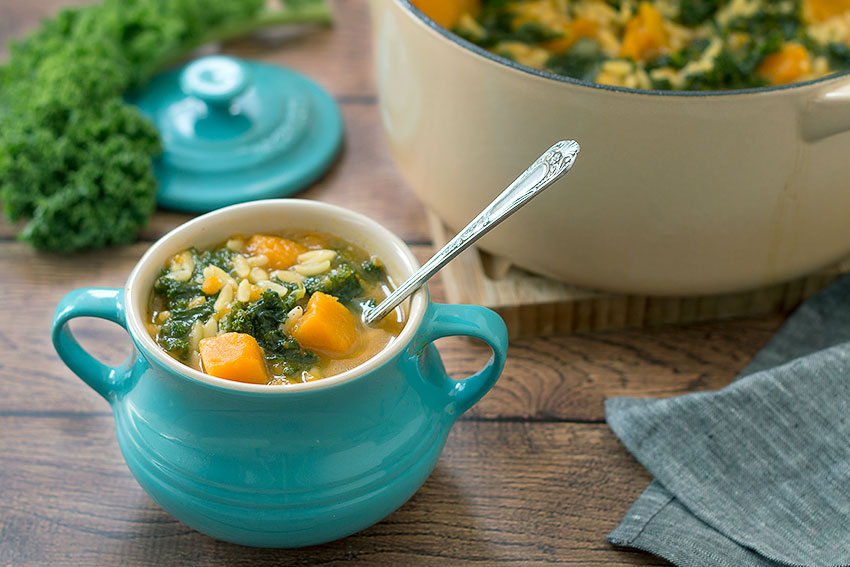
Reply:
x=758, y=473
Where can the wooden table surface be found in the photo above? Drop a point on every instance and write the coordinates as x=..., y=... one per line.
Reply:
x=530, y=476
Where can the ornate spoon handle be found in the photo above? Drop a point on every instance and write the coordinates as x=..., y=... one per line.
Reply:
x=547, y=169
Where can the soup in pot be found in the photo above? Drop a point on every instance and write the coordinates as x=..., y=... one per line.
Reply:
x=660, y=44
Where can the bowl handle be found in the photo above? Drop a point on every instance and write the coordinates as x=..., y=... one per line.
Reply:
x=103, y=303
x=469, y=321
x=827, y=114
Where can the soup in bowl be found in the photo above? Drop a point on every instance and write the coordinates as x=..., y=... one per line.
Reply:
x=272, y=309
x=260, y=454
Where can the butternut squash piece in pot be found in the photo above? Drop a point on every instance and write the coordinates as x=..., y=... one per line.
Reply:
x=446, y=13
x=820, y=10
x=281, y=252
x=326, y=325
x=574, y=31
x=788, y=65
x=234, y=356
x=645, y=36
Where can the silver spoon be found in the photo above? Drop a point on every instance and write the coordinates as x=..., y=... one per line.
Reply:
x=548, y=168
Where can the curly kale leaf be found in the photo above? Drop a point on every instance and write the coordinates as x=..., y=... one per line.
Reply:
x=695, y=12
x=221, y=257
x=373, y=270
x=582, y=61
x=532, y=33
x=340, y=281
x=772, y=19
x=678, y=60
x=238, y=320
x=175, y=293
x=839, y=55
x=497, y=4
x=496, y=24
x=288, y=354
x=736, y=68
x=260, y=317
x=174, y=334
x=89, y=186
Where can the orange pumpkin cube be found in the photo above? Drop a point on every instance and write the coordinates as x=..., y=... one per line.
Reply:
x=820, y=10
x=326, y=326
x=234, y=356
x=575, y=30
x=281, y=252
x=447, y=12
x=790, y=64
x=212, y=284
x=645, y=36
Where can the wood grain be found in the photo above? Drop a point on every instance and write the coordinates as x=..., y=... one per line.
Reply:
x=503, y=493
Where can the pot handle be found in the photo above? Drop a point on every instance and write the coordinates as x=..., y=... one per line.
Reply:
x=469, y=321
x=103, y=303
x=827, y=114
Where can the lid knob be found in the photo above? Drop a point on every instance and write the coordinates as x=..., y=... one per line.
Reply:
x=215, y=79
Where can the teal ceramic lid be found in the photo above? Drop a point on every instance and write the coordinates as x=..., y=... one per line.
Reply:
x=235, y=130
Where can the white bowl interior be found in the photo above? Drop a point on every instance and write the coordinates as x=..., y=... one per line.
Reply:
x=273, y=216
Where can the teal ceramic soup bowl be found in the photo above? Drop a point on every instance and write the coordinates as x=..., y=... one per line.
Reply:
x=281, y=466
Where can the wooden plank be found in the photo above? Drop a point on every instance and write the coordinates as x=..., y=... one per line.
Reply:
x=565, y=377
x=503, y=493
x=529, y=302
x=338, y=58
x=569, y=377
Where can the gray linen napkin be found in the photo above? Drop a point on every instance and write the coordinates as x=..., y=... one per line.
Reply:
x=758, y=473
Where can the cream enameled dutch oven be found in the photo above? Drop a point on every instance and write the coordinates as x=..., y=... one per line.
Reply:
x=676, y=193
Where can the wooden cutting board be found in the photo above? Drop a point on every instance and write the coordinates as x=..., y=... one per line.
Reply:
x=533, y=305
